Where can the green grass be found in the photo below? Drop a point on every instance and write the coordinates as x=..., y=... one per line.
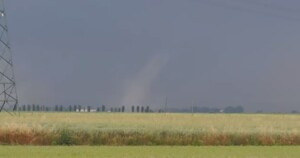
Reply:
x=149, y=152
x=149, y=129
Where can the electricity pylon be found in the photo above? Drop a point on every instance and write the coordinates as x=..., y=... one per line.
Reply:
x=8, y=92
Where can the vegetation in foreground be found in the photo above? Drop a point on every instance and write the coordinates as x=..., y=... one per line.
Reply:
x=150, y=152
x=149, y=129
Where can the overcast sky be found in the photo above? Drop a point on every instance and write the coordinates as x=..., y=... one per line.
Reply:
x=209, y=52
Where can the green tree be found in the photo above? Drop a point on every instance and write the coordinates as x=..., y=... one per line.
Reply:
x=56, y=108
x=142, y=109
x=103, y=108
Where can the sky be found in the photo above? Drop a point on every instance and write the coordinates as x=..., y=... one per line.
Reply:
x=213, y=53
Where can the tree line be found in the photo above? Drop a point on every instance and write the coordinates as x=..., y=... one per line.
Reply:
x=80, y=108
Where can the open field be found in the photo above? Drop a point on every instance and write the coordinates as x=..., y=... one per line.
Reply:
x=150, y=152
x=149, y=129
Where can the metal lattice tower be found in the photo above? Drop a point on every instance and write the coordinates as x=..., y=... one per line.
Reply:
x=8, y=93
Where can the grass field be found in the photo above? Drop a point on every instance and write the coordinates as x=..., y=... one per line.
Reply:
x=150, y=152
x=149, y=129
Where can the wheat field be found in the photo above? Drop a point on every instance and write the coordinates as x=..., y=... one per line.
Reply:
x=149, y=129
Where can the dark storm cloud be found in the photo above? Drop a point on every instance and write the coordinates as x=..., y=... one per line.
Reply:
x=140, y=51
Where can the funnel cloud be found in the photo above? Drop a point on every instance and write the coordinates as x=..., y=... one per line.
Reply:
x=138, y=88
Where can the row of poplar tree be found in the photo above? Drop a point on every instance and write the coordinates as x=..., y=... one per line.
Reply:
x=80, y=108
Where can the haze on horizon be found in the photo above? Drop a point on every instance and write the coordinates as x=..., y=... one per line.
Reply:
x=212, y=53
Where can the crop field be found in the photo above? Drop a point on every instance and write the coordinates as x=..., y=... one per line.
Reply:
x=117, y=129
x=150, y=152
